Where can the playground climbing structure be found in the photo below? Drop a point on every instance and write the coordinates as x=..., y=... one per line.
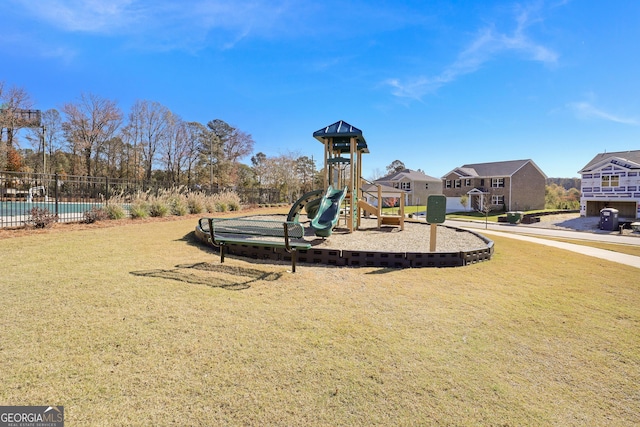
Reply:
x=344, y=146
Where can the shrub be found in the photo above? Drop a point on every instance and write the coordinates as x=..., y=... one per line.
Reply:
x=115, y=211
x=95, y=214
x=220, y=207
x=234, y=206
x=210, y=206
x=41, y=218
x=139, y=209
x=158, y=208
x=196, y=202
x=178, y=206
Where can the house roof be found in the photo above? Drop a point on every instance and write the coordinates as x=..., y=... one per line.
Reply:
x=342, y=132
x=630, y=158
x=506, y=168
x=408, y=174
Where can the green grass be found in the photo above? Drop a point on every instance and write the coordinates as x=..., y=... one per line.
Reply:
x=137, y=325
x=492, y=217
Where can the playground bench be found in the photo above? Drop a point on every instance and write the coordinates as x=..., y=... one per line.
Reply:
x=226, y=231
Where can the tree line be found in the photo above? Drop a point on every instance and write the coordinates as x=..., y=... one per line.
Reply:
x=92, y=136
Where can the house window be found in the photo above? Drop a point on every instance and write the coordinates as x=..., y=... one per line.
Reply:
x=497, y=200
x=457, y=183
x=447, y=183
x=497, y=182
x=405, y=185
x=467, y=182
x=610, y=181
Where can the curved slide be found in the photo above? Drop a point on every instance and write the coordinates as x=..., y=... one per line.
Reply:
x=328, y=212
x=309, y=201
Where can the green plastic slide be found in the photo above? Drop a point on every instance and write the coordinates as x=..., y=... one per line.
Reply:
x=309, y=202
x=328, y=212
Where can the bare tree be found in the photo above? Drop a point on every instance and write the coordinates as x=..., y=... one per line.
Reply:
x=47, y=139
x=12, y=101
x=280, y=173
x=89, y=124
x=175, y=148
x=148, y=127
x=484, y=206
x=194, y=133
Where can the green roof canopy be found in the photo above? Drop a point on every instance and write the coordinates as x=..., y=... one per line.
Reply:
x=342, y=132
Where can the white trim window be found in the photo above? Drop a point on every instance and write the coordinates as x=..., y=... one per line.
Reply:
x=467, y=182
x=497, y=200
x=457, y=183
x=610, y=180
x=497, y=182
x=447, y=183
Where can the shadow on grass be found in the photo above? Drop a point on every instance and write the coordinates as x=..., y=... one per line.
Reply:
x=191, y=239
x=383, y=271
x=212, y=275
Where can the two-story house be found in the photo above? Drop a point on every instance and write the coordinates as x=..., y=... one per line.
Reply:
x=611, y=180
x=416, y=185
x=510, y=185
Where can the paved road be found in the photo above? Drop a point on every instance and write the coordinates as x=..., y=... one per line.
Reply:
x=528, y=233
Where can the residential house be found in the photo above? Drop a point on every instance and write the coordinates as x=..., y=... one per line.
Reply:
x=611, y=180
x=511, y=185
x=416, y=185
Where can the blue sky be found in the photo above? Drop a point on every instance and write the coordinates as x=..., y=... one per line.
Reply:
x=435, y=84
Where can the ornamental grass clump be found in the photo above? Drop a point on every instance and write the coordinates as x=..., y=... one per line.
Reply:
x=139, y=209
x=115, y=211
x=223, y=202
x=231, y=199
x=178, y=205
x=196, y=202
x=220, y=206
x=158, y=208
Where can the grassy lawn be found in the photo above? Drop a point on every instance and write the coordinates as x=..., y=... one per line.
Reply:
x=137, y=325
x=492, y=217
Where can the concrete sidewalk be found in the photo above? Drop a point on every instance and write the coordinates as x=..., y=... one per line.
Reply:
x=630, y=260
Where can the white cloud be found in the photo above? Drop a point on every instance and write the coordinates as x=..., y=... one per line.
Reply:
x=488, y=44
x=93, y=16
x=586, y=110
x=164, y=24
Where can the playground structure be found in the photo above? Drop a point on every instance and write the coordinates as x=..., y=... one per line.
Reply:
x=343, y=184
x=342, y=198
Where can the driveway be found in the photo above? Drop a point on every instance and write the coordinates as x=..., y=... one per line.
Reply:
x=564, y=227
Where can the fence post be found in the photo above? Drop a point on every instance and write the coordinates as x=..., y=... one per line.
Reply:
x=55, y=191
x=106, y=186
